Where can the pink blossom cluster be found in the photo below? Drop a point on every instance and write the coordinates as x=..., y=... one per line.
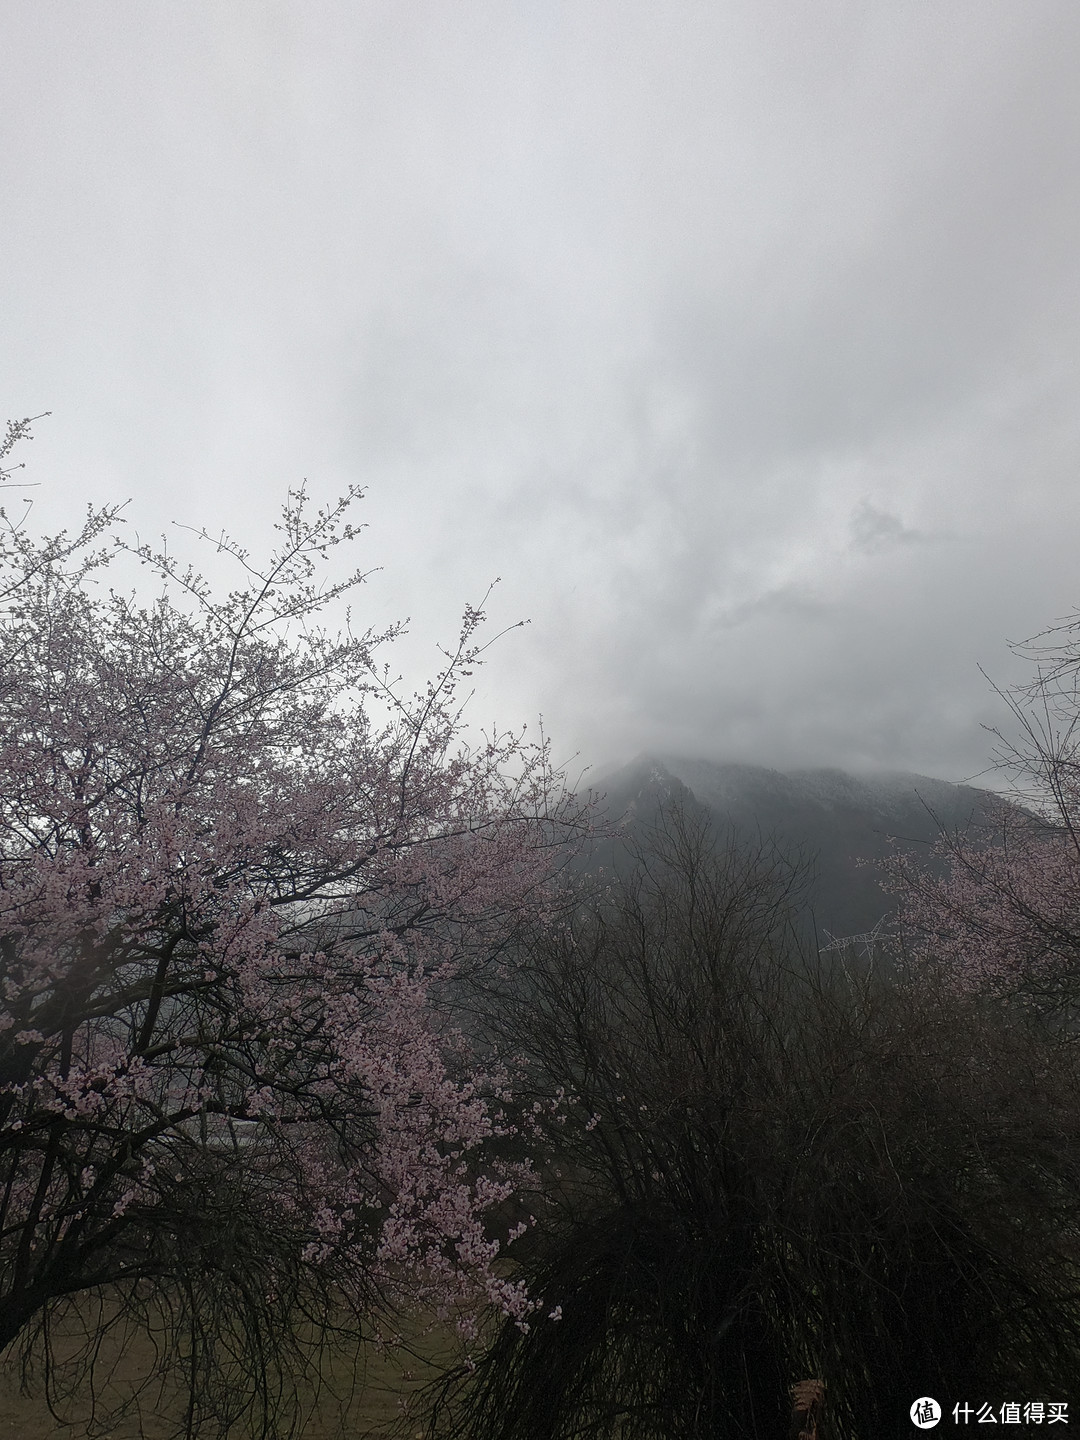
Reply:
x=1006, y=911
x=230, y=902
x=1000, y=905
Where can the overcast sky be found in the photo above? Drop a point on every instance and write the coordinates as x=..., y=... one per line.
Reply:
x=740, y=338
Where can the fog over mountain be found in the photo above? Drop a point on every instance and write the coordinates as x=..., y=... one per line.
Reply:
x=834, y=819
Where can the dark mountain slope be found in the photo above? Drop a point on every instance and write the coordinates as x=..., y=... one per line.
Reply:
x=833, y=818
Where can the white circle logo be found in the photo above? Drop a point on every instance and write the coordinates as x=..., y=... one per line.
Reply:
x=925, y=1413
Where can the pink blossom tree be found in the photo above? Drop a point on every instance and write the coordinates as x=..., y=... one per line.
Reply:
x=232, y=898
x=1001, y=908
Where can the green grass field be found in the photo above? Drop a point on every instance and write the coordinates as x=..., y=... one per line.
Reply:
x=354, y=1401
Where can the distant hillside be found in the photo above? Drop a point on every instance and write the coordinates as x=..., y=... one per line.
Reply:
x=835, y=818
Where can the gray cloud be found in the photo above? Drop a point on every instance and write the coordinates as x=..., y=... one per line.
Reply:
x=702, y=327
x=873, y=529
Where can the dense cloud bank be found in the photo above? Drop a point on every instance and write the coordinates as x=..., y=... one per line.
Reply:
x=741, y=342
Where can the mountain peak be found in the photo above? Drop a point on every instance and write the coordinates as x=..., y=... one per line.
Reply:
x=845, y=822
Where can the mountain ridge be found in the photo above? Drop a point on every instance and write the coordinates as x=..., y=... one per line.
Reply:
x=847, y=822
